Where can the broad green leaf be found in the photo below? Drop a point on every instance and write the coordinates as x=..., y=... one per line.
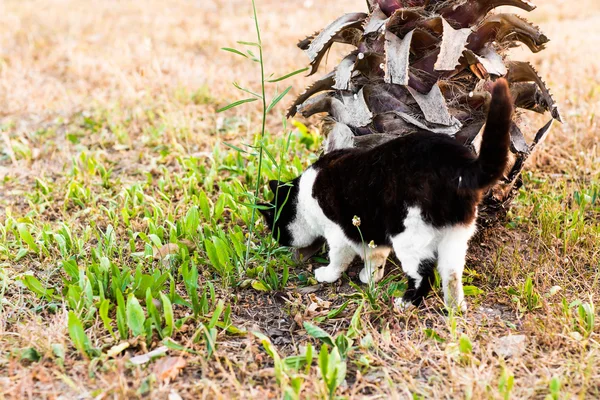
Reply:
x=204, y=205
x=33, y=284
x=285, y=276
x=104, y=308
x=223, y=253
x=216, y=314
x=431, y=334
x=27, y=238
x=219, y=207
x=323, y=361
x=272, y=351
x=309, y=358
x=168, y=312
x=318, y=333
x=155, y=240
x=472, y=290
x=339, y=372
x=30, y=354
x=337, y=311
x=464, y=344
x=135, y=315
x=211, y=251
x=153, y=315
x=260, y=286
x=192, y=221
x=77, y=334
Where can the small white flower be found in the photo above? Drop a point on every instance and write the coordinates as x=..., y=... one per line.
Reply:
x=372, y=244
x=361, y=56
x=382, y=66
x=355, y=221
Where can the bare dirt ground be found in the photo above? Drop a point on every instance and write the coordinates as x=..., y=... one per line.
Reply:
x=136, y=84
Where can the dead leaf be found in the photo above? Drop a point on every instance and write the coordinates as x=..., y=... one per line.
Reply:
x=324, y=83
x=510, y=346
x=144, y=358
x=376, y=21
x=452, y=47
x=173, y=395
x=434, y=107
x=396, y=58
x=358, y=113
x=164, y=251
x=334, y=32
x=191, y=246
x=310, y=289
x=117, y=349
x=343, y=72
x=351, y=110
x=317, y=306
x=340, y=137
x=521, y=71
x=168, y=368
x=298, y=319
x=311, y=309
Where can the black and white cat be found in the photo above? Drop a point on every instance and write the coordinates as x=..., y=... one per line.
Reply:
x=417, y=194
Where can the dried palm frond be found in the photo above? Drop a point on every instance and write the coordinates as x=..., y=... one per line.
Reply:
x=426, y=64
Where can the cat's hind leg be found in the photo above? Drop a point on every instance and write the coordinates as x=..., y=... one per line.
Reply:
x=419, y=284
x=374, y=264
x=415, y=247
x=452, y=250
x=421, y=276
x=341, y=255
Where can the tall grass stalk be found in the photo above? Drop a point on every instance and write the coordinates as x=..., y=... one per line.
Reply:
x=262, y=134
x=265, y=110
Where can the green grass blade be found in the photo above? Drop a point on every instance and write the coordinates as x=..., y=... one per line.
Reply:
x=235, y=104
x=284, y=77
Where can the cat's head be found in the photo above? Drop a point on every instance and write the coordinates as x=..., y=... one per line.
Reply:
x=281, y=212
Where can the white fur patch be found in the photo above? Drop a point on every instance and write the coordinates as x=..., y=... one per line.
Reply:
x=419, y=241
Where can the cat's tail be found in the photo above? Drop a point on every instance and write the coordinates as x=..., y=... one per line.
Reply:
x=493, y=155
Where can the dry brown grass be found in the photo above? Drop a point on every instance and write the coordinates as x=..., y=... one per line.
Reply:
x=136, y=61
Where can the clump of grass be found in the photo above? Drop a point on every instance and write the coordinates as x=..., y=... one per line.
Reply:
x=133, y=198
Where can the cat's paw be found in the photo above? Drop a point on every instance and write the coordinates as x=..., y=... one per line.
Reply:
x=364, y=275
x=367, y=273
x=462, y=307
x=402, y=305
x=327, y=274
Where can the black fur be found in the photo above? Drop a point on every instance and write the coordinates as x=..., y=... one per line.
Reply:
x=284, y=202
x=432, y=171
x=416, y=295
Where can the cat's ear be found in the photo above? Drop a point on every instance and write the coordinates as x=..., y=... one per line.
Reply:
x=273, y=185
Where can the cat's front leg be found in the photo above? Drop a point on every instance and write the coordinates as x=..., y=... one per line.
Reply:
x=340, y=256
x=374, y=264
